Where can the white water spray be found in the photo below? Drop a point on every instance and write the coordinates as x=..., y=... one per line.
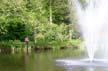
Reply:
x=93, y=22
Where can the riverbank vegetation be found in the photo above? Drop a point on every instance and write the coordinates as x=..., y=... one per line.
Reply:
x=47, y=23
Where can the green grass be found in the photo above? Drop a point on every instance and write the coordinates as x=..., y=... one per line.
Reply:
x=75, y=42
x=53, y=44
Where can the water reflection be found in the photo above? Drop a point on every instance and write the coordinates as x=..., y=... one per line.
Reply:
x=86, y=69
x=90, y=69
x=41, y=61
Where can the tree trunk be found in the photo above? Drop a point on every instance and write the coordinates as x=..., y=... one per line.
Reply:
x=50, y=9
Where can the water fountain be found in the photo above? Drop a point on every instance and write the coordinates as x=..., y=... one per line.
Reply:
x=92, y=20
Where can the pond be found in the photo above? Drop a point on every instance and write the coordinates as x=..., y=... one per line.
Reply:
x=42, y=61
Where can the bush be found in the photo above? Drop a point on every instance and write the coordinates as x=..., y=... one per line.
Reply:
x=16, y=29
x=5, y=44
x=50, y=33
x=12, y=43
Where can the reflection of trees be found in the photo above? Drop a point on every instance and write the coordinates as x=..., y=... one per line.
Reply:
x=15, y=62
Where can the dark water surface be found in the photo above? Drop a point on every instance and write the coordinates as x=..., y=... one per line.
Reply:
x=42, y=61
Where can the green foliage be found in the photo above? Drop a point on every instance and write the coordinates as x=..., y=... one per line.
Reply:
x=75, y=42
x=16, y=29
x=5, y=44
x=60, y=11
x=54, y=35
x=16, y=43
x=12, y=43
x=30, y=18
x=3, y=29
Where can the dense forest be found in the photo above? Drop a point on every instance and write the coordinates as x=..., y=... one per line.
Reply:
x=44, y=22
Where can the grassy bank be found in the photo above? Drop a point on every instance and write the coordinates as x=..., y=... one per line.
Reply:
x=41, y=45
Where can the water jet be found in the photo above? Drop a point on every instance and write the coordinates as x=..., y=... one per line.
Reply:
x=93, y=25
x=92, y=20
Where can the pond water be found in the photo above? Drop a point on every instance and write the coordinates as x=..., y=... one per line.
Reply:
x=42, y=61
